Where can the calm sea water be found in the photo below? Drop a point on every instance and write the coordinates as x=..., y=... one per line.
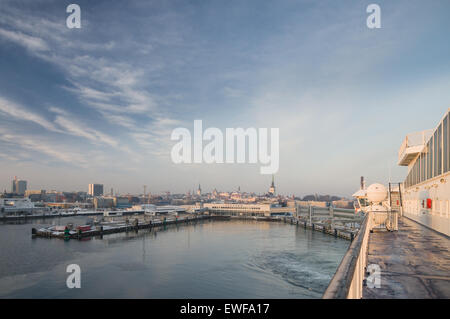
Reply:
x=212, y=259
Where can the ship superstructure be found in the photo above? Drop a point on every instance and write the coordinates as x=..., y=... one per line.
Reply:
x=426, y=190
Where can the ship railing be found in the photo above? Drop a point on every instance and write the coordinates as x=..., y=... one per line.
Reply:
x=385, y=220
x=330, y=213
x=347, y=282
x=414, y=139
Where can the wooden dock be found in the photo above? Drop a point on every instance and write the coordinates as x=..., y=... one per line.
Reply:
x=100, y=230
x=135, y=225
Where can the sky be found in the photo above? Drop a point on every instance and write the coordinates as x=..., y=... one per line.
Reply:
x=98, y=104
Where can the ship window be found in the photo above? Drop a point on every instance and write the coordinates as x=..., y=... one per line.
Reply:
x=422, y=167
x=438, y=146
x=435, y=154
x=432, y=157
x=363, y=202
x=439, y=150
x=446, y=146
x=417, y=171
x=429, y=158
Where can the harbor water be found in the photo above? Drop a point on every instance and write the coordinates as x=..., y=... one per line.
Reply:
x=209, y=259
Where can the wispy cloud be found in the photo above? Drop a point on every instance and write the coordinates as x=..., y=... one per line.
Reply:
x=30, y=42
x=99, y=81
x=76, y=128
x=56, y=152
x=311, y=68
x=18, y=112
x=63, y=123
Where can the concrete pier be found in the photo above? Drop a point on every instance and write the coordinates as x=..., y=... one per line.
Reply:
x=414, y=262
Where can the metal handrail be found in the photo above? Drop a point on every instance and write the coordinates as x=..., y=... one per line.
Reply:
x=347, y=282
x=415, y=139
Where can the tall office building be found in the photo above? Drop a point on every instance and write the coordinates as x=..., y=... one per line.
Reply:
x=18, y=186
x=95, y=189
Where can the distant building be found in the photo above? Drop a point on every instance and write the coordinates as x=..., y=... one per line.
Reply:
x=272, y=187
x=103, y=202
x=239, y=209
x=262, y=209
x=122, y=202
x=343, y=203
x=95, y=189
x=306, y=203
x=199, y=190
x=36, y=195
x=18, y=186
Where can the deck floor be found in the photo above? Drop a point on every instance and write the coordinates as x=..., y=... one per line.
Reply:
x=414, y=262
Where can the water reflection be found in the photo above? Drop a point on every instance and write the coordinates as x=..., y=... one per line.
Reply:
x=210, y=259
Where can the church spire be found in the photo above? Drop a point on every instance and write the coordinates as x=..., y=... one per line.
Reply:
x=272, y=186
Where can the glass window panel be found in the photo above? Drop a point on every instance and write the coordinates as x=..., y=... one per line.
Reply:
x=422, y=167
x=433, y=154
x=430, y=159
x=420, y=160
x=417, y=171
x=446, y=150
x=426, y=161
x=439, y=150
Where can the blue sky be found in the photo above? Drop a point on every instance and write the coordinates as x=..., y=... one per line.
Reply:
x=98, y=104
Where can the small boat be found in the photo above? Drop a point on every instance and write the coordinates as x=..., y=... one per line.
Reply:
x=84, y=228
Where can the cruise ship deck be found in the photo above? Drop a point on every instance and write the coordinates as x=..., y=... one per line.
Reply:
x=414, y=262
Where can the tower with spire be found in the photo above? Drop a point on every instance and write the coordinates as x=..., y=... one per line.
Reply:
x=199, y=190
x=272, y=186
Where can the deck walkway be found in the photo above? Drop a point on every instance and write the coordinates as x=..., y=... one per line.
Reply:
x=414, y=262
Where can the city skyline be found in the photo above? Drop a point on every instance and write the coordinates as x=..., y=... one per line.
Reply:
x=103, y=191
x=97, y=105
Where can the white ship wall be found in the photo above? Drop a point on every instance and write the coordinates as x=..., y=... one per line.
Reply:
x=438, y=190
